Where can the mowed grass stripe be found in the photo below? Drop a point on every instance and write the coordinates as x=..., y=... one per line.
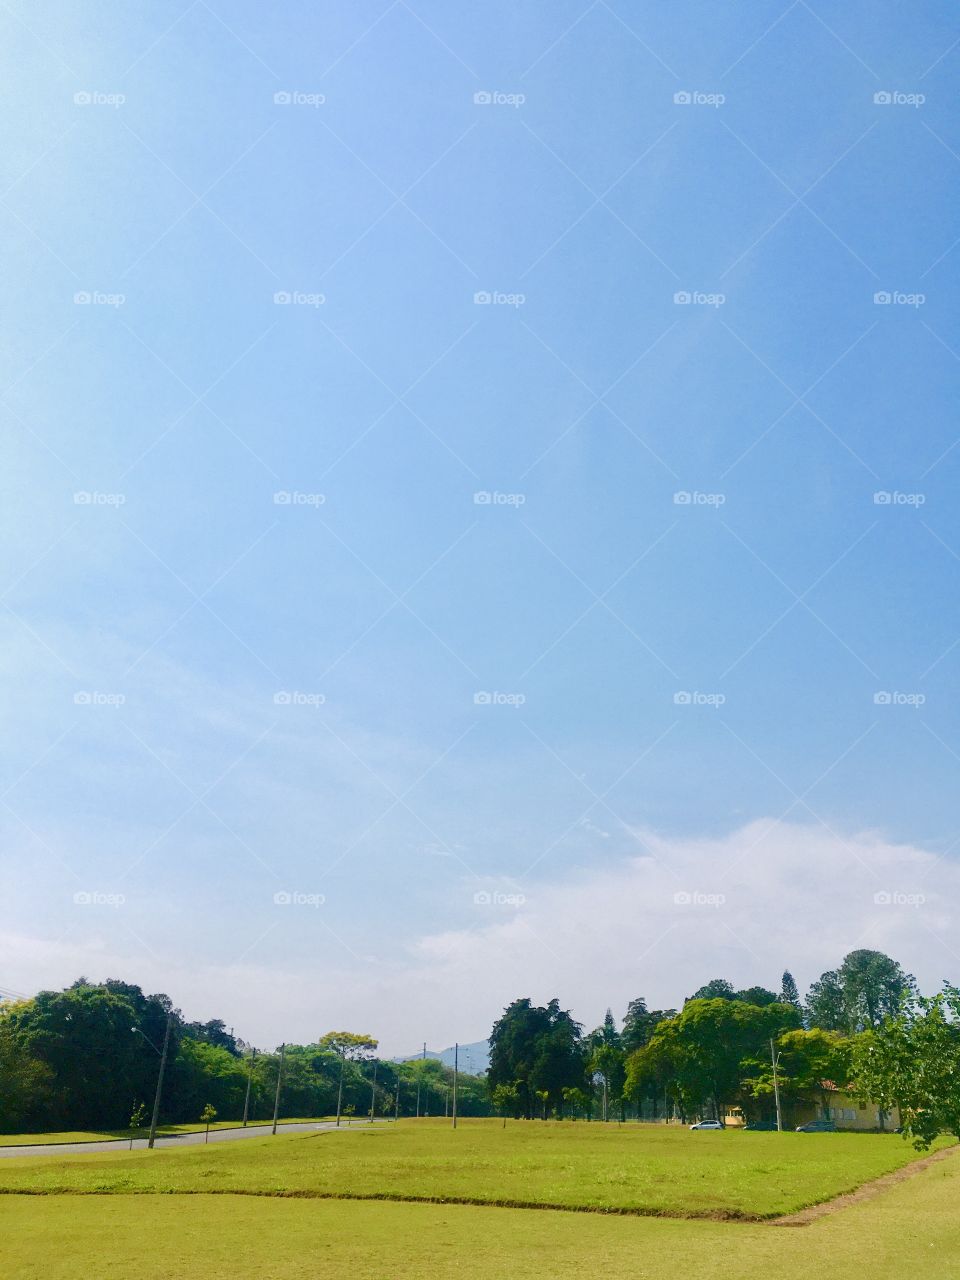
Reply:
x=641, y=1171
x=913, y=1230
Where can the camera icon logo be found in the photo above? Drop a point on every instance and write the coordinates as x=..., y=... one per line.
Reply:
x=282, y=99
x=883, y=98
x=883, y=898
x=282, y=699
x=82, y=99
x=281, y=298
x=882, y=698
x=683, y=98
x=482, y=299
x=482, y=699
x=283, y=898
x=483, y=98
x=682, y=898
x=682, y=498
x=482, y=898
x=682, y=298
x=882, y=299
x=682, y=698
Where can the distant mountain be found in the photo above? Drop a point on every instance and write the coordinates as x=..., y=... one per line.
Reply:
x=474, y=1058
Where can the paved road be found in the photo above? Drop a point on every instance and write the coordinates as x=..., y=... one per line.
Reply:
x=178, y=1140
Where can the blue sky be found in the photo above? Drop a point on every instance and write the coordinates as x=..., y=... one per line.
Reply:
x=359, y=361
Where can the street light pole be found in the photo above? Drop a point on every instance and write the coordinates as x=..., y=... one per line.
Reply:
x=343, y=1058
x=775, y=1058
x=456, y=1069
x=246, y=1101
x=276, y=1101
x=163, y=1067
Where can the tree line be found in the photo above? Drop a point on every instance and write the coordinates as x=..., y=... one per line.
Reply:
x=87, y=1058
x=863, y=1028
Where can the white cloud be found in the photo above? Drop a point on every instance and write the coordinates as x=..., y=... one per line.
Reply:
x=766, y=897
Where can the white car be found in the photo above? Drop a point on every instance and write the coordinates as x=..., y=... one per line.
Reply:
x=707, y=1124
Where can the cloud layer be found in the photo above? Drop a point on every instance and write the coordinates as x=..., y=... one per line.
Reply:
x=766, y=897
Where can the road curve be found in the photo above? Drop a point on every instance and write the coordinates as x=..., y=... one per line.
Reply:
x=176, y=1140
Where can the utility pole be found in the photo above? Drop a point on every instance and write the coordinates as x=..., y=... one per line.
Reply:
x=246, y=1101
x=276, y=1100
x=775, y=1058
x=456, y=1069
x=373, y=1091
x=419, y=1079
x=343, y=1059
x=163, y=1066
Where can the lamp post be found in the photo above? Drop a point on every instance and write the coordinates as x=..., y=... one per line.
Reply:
x=163, y=1067
x=456, y=1072
x=276, y=1100
x=373, y=1091
x=246, y=1101
x=343, y=1059
x=775, y=1058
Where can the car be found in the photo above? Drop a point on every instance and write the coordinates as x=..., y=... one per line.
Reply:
x=761, y=1126
x=817, y=1126
x=707, y=1124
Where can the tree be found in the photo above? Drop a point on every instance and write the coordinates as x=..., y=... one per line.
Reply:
x=207, y=1115
x=606, y=1060
x=826, y=1007
x=26, y=1083
x=202, y=1073
x=213, y=1032
x=756, y=995
x=911, y=1061
x=640, y=1022
x=788, y=990
x=349, y=1047
x=715, y=989
x=867, y=987
x=809, y=1063
x=505, y=1098
x=577, y=1100
x=538, y=1049
x=137, y=1116
x=83, y=1038
x=701, y=1056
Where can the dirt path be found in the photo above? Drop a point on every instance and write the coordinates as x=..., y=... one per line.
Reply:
x=869, y=1189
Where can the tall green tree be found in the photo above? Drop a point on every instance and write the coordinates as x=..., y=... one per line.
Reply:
x=809, y=1062
x=640, y=1022
x=540, y=1050
x=867, y=987
x=606, y=1061
x=701, y=1056
x=715, y=989
x=788, y=990
x=757, y=995
x=911, y=1061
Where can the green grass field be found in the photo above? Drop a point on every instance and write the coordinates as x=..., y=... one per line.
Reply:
x=646, y=1169
x=910, y=1230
